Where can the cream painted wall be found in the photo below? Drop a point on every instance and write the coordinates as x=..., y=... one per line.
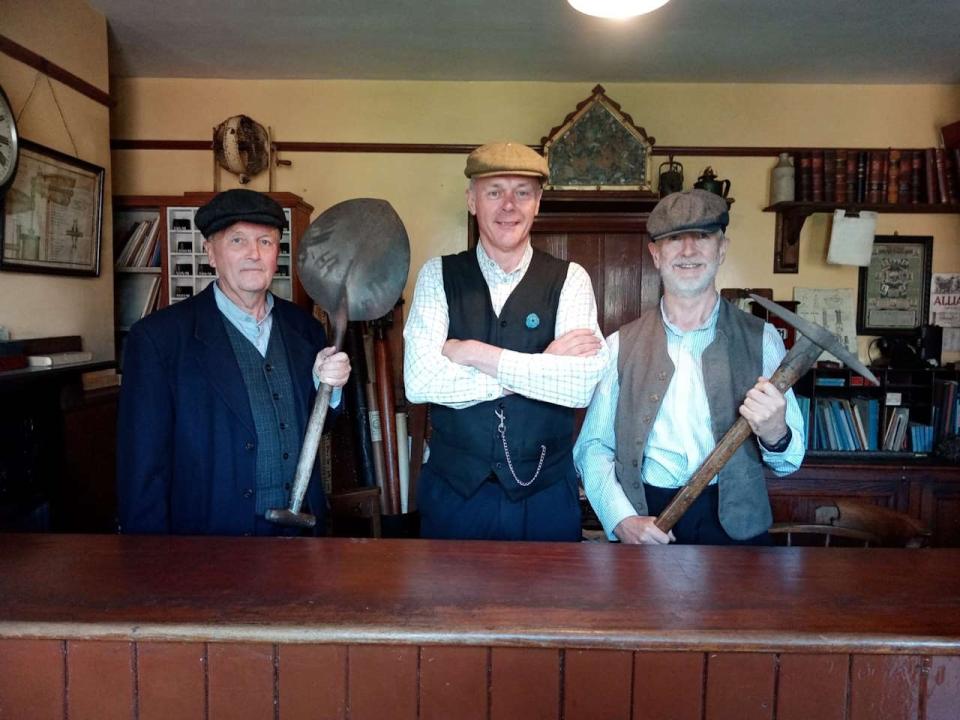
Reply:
x=427, y=190
x=70, y=34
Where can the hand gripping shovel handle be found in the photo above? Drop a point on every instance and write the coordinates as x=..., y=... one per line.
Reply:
x=291, y=516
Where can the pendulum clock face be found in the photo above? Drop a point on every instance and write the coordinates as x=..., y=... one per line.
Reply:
x=9, y=144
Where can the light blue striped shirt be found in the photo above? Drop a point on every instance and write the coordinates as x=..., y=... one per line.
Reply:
x=681, y=437
x=258, y=333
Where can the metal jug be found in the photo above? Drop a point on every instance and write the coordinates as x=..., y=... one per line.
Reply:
x=671, y=179
x=708, y=181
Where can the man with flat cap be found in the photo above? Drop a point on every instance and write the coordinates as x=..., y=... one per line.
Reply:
x=503, y=342
x=677, y=379
x=217, y=390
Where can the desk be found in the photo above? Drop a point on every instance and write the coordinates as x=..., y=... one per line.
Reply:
x=148, y=627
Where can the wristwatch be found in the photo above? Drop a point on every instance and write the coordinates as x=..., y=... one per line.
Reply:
x=780, y=445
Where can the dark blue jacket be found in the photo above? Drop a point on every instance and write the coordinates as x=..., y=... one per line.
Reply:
x=186, y=443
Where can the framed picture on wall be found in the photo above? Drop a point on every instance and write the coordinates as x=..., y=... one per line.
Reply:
x=52, y=214
x=894, y=293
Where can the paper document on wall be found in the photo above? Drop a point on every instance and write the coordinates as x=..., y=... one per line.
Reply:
x=833, y=309
x=945, y=308
x=851, y=238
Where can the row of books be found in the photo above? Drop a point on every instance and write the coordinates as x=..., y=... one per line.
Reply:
x=946, y=409
x=895, y=177
x=854, y=425
x=141, y=245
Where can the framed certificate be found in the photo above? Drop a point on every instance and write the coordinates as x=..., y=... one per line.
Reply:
x=894, y=293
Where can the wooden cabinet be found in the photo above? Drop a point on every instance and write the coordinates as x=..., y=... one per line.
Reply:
x=923, y=489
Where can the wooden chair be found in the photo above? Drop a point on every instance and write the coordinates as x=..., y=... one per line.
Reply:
x=846, y=522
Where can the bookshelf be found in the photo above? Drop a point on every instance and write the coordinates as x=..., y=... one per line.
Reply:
x=177, y=268
x=836, y=401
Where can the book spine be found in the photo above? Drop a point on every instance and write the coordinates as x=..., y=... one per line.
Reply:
x=951, y=170
x=904, y=176
x=840, y=184
x=829, y=175
x=941, y=175
x=806, y=177
x=873, y=178
x=816, y=171
x=851, y=176
x=862, y=161
x=916, y=175
x=884, y=176
x=930, y=168
x=893, y=176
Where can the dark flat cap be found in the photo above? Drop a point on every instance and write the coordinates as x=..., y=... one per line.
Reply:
x=506, y=158
x=688, y=211
x=238, y=205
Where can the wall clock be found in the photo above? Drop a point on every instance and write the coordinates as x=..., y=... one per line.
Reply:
x=9, y=144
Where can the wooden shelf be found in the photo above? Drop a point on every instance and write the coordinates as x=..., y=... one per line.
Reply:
x=792, y=215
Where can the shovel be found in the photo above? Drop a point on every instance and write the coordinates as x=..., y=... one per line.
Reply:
x=353, y=262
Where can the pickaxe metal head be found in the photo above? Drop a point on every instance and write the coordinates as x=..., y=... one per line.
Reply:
x=819, y=336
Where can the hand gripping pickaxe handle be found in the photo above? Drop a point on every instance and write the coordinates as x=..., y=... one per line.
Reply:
x=811, y=341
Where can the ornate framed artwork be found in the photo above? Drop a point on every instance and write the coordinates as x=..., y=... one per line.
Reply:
x=894, y=292
x=52, y=214
x=598, y=147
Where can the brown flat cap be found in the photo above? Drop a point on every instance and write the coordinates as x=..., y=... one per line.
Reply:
x=688, y=211
x=239, y=205
x=506, y=158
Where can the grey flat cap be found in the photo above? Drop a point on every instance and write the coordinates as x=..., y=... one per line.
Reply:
x=688, y=211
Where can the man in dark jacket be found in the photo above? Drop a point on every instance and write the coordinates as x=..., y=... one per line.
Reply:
x=217, y=390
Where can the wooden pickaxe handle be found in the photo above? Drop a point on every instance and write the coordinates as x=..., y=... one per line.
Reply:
x=800, y=358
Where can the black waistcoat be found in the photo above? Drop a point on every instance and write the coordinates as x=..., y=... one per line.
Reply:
x=465, y=447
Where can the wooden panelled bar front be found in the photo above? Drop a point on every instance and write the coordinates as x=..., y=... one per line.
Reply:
x=155, y=627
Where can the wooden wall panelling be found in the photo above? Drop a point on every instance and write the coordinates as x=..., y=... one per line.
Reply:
x=812, y=686
x=454, y=682
x=312, y=682
x=381, y=679
x=100, y=680
x=885, y=686
x=942, y=697
x=525, y=683
x=240, y=680
x=668, y=685
x=32, y=680
x=597, y=684
x=740, y=686
x=171, y=680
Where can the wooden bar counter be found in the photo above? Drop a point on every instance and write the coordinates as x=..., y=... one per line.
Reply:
x=220, y=628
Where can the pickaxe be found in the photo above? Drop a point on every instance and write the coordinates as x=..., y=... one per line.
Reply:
x=811, y=341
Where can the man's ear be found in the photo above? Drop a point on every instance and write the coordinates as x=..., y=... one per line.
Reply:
x=471, y=200
x=722, y=250
x=654, y=253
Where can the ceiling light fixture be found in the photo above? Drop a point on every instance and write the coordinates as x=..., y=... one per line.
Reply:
x=617, y=9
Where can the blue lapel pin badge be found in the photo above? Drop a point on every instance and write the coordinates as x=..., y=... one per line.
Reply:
x=533, y=321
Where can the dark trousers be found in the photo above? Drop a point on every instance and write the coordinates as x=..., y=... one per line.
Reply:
x=700, y=524
x=489, y=514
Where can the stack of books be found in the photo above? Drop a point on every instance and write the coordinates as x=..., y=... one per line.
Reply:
x=141, y=246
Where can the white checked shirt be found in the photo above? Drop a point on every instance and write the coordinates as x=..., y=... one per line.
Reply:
x=431, y=377
x=681, y=436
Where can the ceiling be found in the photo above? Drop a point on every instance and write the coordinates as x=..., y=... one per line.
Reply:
x=783, y=41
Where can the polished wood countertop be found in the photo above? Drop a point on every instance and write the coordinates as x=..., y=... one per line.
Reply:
x=588, y=595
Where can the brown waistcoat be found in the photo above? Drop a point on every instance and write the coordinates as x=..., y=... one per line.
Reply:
x=731, y=365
